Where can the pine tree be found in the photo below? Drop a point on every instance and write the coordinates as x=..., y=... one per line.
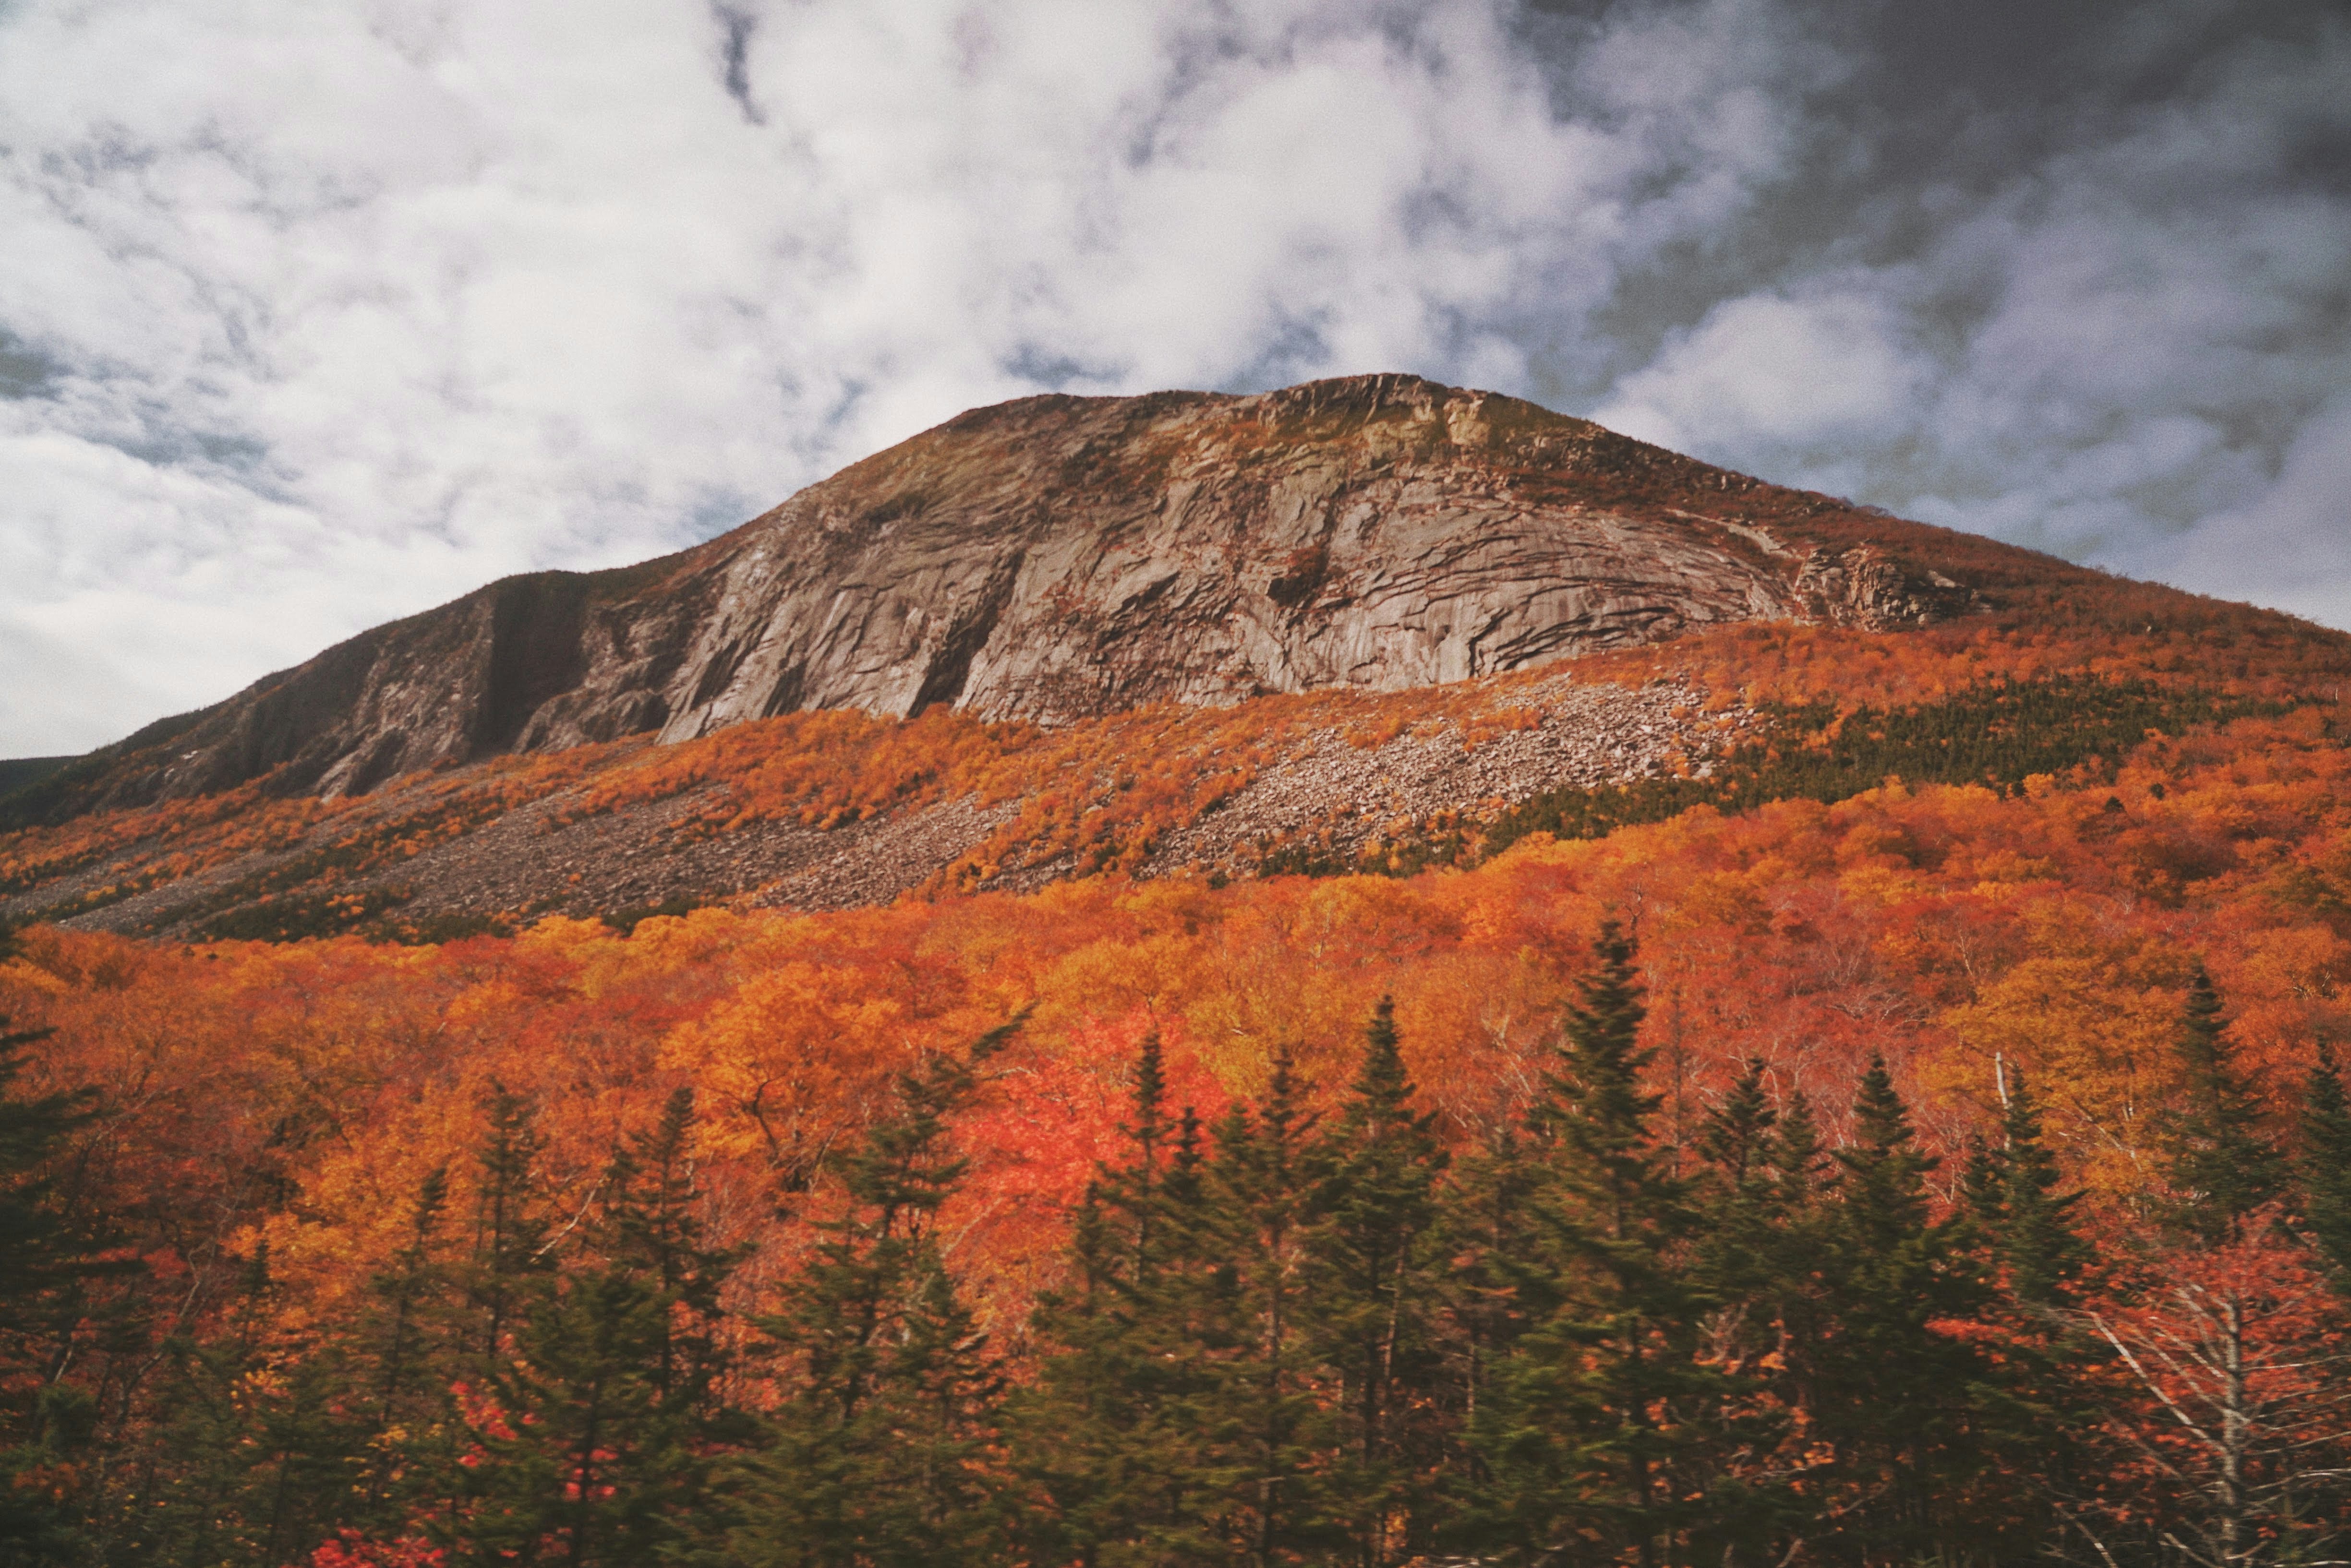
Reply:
x=1799, y=1266
x=1983, y=1181
x=1762, y=1242
x=1115, y=1428
x=256, y=1463
x=1262, y=1438
x=1496, y=1287
x=1603, y=1426
x=2219, y=1163
x=2036, y=1409
x=1375, y=1281
x=1895, y=1400
x=2325, y=1165
x=607, y=1422
x=348, y=1430
x=399, y=1358
x=1741, y=1198
x=49, y=1259
x=883, y=1453
x=2029, y=1222
x=652, y=1226
x=510, y=1267
x=1798, y=1156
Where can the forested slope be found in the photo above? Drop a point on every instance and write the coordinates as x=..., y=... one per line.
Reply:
x=1886, y=1347
x=1827, y=1093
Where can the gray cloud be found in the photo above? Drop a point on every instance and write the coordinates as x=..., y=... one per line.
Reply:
x=314, y=315
x=2073, y=278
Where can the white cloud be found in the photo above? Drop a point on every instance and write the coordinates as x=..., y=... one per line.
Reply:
x=2104, y=352
x=1765, y=370
x=342, y=308
x=351, y=305
x=2290, y=547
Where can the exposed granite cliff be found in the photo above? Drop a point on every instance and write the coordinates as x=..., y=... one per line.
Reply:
x=1060, y=556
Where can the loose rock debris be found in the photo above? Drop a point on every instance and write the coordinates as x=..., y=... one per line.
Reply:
x=1341, y=789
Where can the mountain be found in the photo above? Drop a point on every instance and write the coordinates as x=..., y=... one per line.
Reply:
x=1911, y=948
x=1059, y=558
x=20, y=773
x=1364, y=623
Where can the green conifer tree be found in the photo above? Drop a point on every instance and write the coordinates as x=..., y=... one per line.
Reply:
x=1262, y=1441
x=49, y=1259
x=1115, y=1430
x=1741, y=1198
x=348, y=1430
x=1799, y=1264
x=397, y=1359
x=1497, y=1286
x=511, y=1265
x=2217, y=1161
x=1798, y=1156
x=2324, y=1166
x=884, y=1453
x=1375, y=1282
x=255, y=1464
x=1600, y=1438
x=609, y=1420
x=1895, y=1400
x=2036, y=1409
x=2029, y=1223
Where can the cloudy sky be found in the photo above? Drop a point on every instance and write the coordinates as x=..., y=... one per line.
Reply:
x=318, y=312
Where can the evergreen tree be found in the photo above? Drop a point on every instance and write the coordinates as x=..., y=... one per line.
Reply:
x=511, y=1266
x=1800, y=1270
x=2325, y=1164
x=1603, y=1426
x=883, y=1453
x=1267, y=1435
x=1496, y=1287
x=397, y=1360
x=599, y=1446
x=319, y=1433
x=1983, y=1181
x=2036, y=1409
x=1761, y=1251
x=255, y=1464
x=2219, y=1163
x=1375, y=1279
x=49, y=1259
x=1894, y=1400
x=2011, y=1190
x=1799, y=1156
x=1115, y=1429
x=1743, y=1202
x=653, y=1226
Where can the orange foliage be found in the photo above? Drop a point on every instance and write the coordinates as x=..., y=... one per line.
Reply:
x=298, y=1092
x=1099, y=796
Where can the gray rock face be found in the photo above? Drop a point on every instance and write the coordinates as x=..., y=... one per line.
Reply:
x=1058, y=556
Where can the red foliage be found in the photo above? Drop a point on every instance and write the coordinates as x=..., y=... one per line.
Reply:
x=351, y=1550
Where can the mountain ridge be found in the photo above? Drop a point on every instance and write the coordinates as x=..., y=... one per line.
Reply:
x=1049, y=658
x=1057, y=557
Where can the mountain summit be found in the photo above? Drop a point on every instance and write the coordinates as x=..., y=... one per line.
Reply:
x=1371, y=623
x=1060, y=558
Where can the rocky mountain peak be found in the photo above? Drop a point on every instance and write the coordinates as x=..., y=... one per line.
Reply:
x=1057, y=558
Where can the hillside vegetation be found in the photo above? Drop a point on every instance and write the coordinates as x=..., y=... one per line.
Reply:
x=286, y=1147
x=1826, y=1096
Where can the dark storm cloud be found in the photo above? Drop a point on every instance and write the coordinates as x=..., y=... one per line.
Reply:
x=2075, y=276
x=312, y=316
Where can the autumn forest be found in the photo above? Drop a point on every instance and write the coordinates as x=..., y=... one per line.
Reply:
x=1918, y=1138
